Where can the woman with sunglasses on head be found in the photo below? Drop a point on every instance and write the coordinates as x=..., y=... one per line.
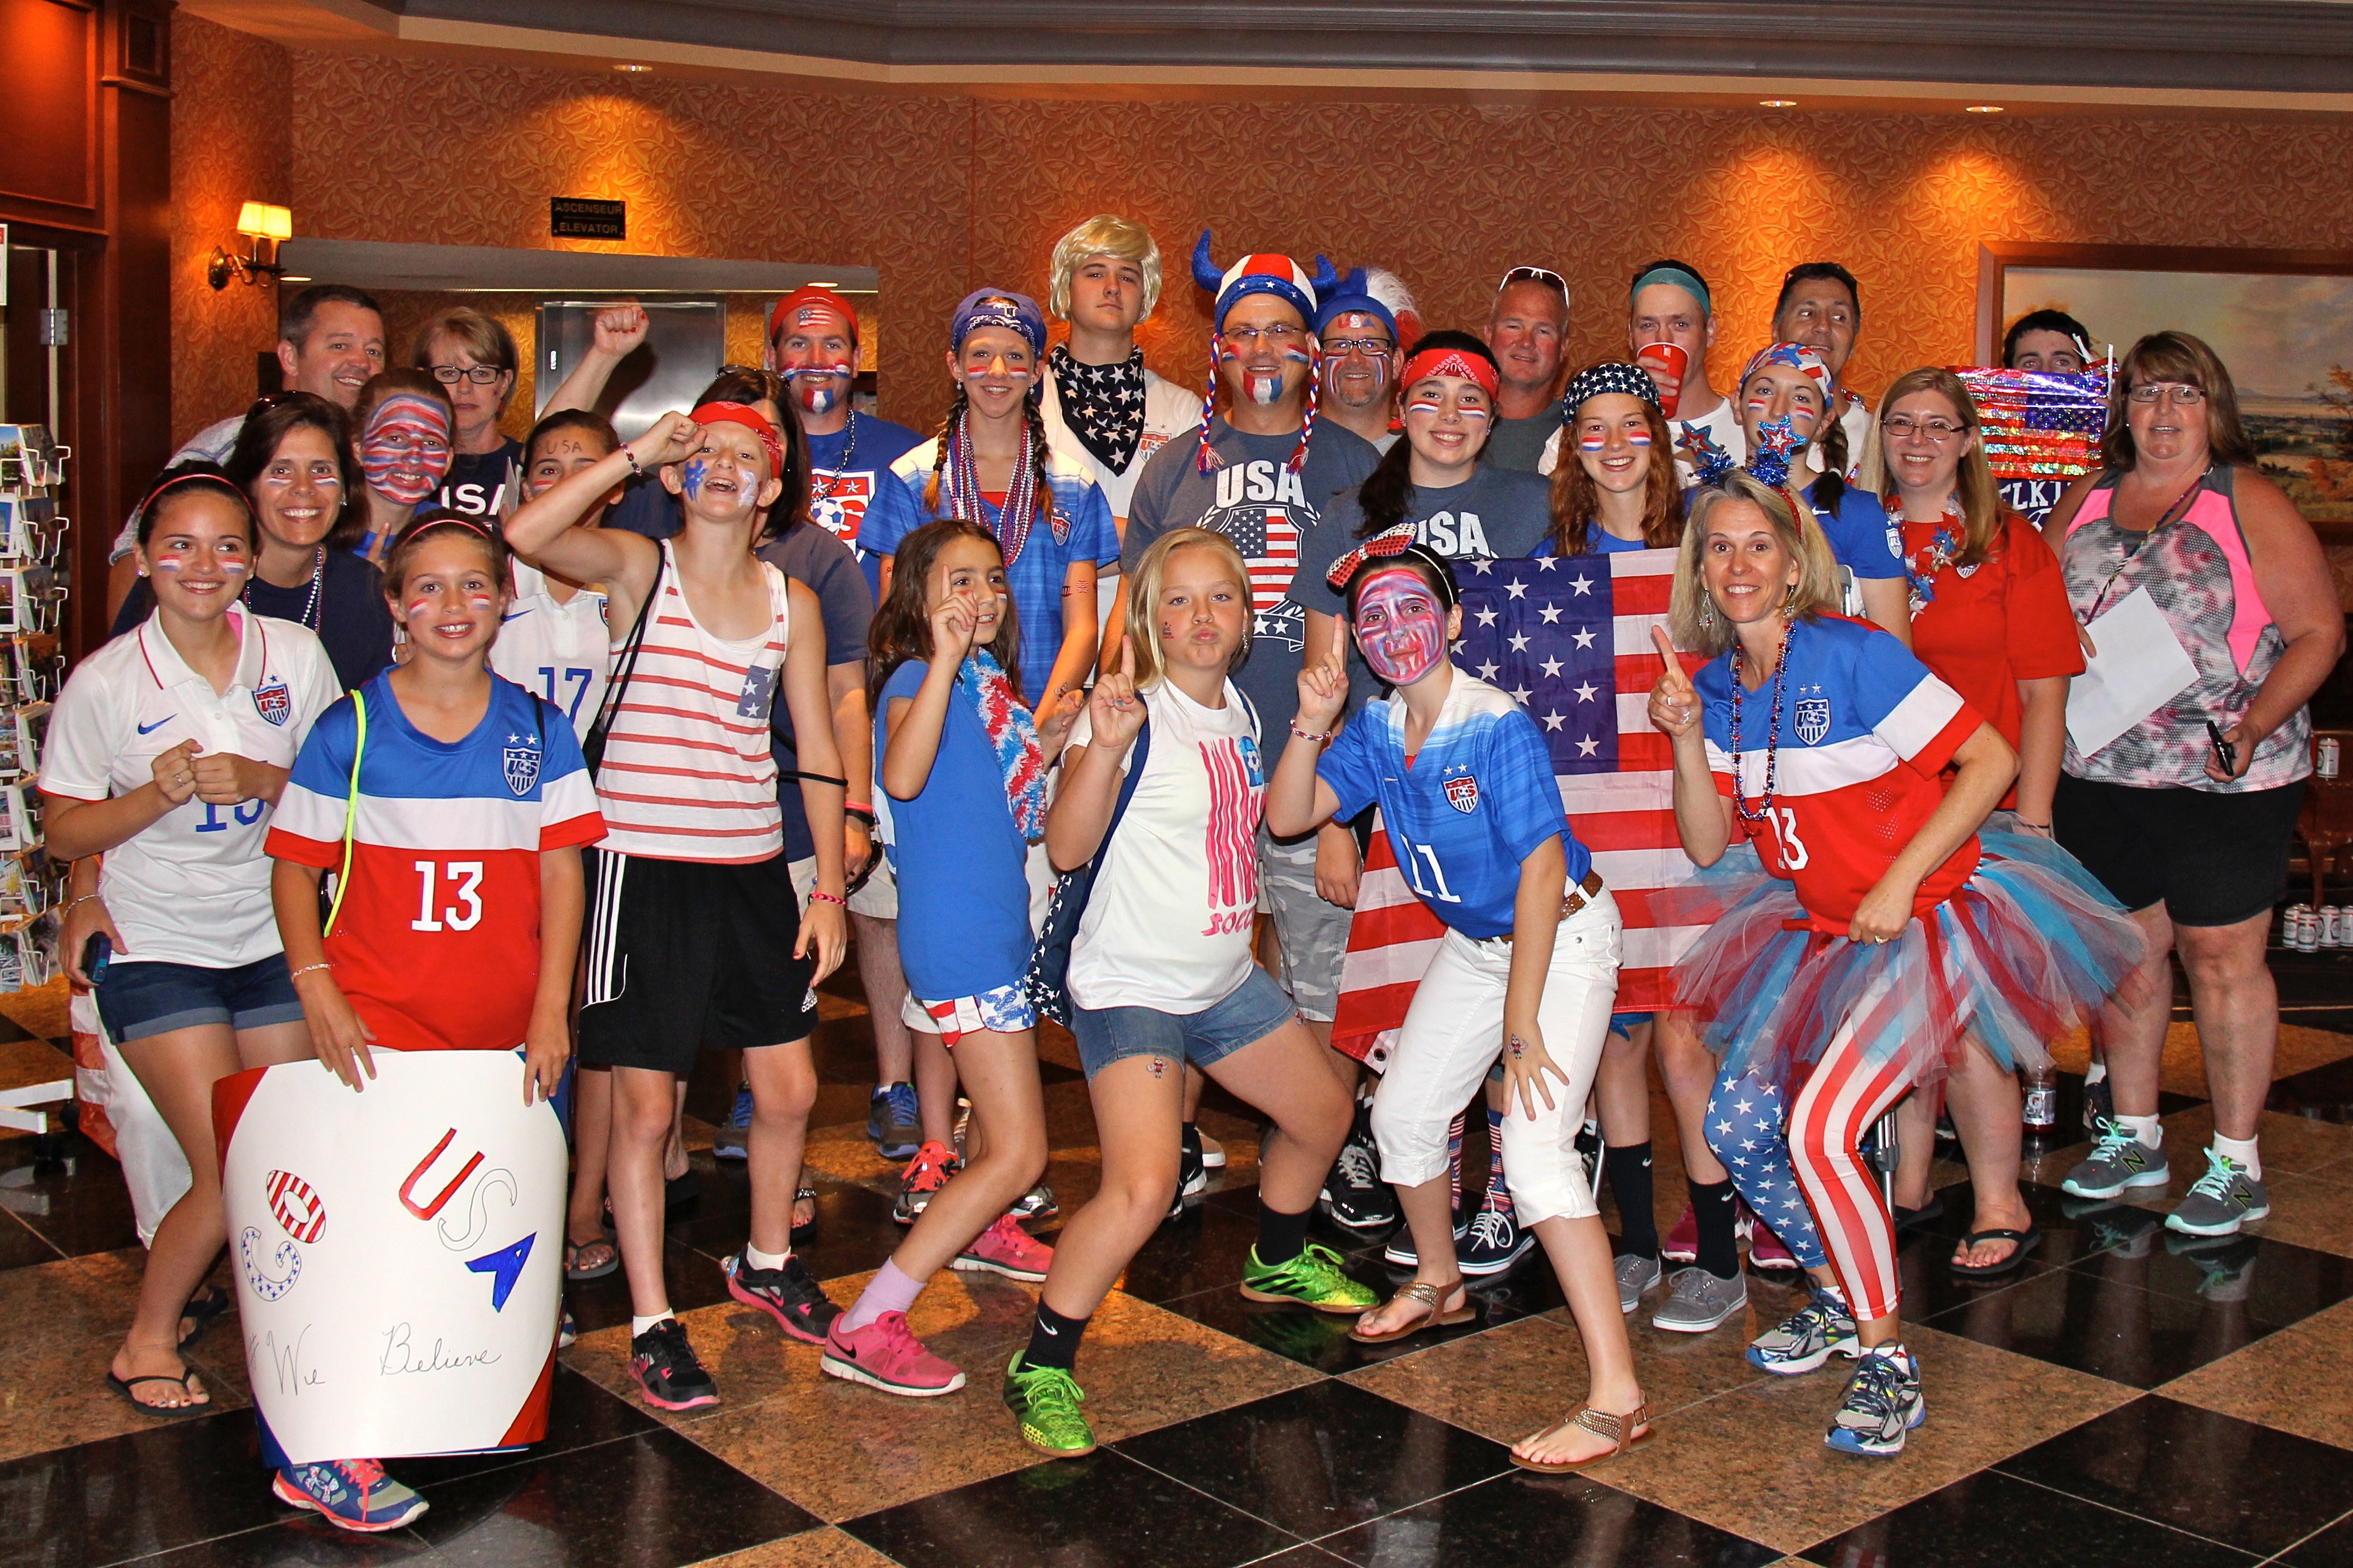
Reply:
x=294, y=461
x=2185, y=817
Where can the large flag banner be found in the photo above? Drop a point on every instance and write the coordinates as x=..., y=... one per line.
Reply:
x=398, y=1252
x=2041, y=430
x=1570, y=640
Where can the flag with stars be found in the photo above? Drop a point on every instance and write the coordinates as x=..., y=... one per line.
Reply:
x=1570, y=641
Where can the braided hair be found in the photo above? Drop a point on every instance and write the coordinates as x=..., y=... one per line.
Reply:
x=951, y=456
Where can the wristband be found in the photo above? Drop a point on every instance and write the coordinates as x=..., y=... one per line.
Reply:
x=819, y=896
x=307, y=968
x=1309, y=735
x=862, y=814
x=865, y=806
x=2038, y=826
x=632, y=459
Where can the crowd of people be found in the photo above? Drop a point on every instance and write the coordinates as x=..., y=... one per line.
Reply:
x=991, y=708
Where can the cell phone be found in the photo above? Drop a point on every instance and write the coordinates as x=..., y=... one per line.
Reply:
x=96, y=954
x=2224, y=753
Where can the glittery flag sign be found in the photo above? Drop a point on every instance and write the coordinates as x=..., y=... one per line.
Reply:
x=2039, y=425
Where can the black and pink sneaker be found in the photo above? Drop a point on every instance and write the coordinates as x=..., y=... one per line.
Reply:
x=666, y=1369
x=791, y=1295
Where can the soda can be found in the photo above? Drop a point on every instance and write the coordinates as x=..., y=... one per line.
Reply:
x=2292, y=925
x=2307, y=931
x=2332, y=925
x=2327, y=755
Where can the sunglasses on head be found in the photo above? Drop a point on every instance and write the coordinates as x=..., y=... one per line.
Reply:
x=1545, y=275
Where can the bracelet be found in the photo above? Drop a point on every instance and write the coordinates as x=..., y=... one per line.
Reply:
x=632, y=459
x=1299, y=733
x=83, y=899
x=307, y=968
x=819, y=896
x=2038, y=826
x=862, y=814
x=865, y=808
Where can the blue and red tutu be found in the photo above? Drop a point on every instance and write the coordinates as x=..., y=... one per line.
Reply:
x=2028, y=948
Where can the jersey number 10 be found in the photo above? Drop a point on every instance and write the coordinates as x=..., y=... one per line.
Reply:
x=465, y=914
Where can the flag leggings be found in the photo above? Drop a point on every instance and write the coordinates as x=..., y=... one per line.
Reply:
x=1794, y=1158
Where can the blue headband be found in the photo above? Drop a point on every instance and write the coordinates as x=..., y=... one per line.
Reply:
x=1354, y=297
x=1687, y=282
x=998, y=308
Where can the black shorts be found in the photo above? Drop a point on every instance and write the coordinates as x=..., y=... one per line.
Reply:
x=683, y=955
x=2211, y=859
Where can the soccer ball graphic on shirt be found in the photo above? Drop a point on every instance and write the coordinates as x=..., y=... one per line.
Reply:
x=398, y=1252
x=839, y=505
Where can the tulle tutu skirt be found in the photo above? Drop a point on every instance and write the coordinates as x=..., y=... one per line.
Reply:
x=2027, y=950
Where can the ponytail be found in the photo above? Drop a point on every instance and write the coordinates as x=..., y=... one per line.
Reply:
x=1830, y=489
x=1382, y=495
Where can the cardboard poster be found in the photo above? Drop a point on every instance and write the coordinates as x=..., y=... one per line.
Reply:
x=398, y=1252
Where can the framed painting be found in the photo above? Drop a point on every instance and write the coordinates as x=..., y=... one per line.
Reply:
x=2281, y=320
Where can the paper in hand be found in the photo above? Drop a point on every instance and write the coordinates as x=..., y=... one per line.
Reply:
x=2139, y=668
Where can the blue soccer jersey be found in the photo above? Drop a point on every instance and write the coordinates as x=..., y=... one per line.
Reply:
x=1477, y=798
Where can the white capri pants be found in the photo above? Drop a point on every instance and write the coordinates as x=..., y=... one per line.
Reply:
x=1454, y=1032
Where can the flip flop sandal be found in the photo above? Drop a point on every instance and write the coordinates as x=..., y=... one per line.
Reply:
x=1434, y=1313
x=123, y=1385
x=574, y=1270
x=805, y=1232
x=2027, y=1241
x=681, y=1190
x=1913, y=1219
x=201, y=1310
x=1601, y=1424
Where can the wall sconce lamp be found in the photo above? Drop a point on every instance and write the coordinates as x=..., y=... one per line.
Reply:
x=263, y=225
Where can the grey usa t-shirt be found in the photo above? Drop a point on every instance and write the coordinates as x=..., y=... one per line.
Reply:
x=1520, y=443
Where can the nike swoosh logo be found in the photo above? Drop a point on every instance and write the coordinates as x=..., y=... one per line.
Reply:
x=150, y=729
x=512, y=615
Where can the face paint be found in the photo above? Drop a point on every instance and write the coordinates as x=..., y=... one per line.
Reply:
x=1638, y=438
x=481, y=602
x=1472, y=411
x=1264, y=386
x=1401, y=625
x=690, y=477
x=1424, y=406
x=1594, y=443
x=818, y=387
x=422, y=608
x=404, y=451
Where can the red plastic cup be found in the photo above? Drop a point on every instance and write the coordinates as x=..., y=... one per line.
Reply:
x=1672, y=358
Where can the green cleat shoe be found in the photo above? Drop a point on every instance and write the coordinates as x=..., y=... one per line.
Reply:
x=1311, y=1280
x=1045, y=1400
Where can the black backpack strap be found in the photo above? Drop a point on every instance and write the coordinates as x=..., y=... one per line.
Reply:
x=1136, y=756
x=592, y=749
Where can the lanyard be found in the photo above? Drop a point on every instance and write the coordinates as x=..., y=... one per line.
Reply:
x=2171, y=515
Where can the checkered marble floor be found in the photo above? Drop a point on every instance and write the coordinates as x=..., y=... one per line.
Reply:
x=2131, y=1396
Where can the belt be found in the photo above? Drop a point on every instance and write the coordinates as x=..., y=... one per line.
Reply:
x=1579, y=896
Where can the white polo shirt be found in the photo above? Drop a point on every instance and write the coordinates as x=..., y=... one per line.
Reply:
x=562, y=652
x=193, y=887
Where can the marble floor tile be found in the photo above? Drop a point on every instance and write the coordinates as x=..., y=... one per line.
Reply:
x=2294, y=1379
x=825, y=1547
x=1519, y=1518
x=1993, y=1521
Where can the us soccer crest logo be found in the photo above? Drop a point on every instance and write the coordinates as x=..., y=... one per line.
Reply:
x=1463, y=793
x=1813, y=719
x=521, y=759
x=274, y=702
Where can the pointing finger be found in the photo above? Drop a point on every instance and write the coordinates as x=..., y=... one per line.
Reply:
x=1127, y=655
x=1665, y=645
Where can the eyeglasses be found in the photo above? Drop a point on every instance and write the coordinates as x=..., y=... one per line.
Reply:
x=1903, y=427
x=1371, y=347
x=2183, y=394
x=1281, y=335
x=1545, y=275
x=479, y=375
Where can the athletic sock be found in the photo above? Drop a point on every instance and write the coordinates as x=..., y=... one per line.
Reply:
x=639, y=1325
x=1629, y=1179
x=888, y=1291
x=1713, y=1205
x=2243, y=1150
x=755, y=1259
x=1454, y=1161
x=2095, y=1073
x=1281, y=1236
x=1053, y=1340
x=2145, y=1129
x=1499, y=1189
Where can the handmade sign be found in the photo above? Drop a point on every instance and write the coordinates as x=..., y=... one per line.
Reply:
x=398, y=1252
x=2041, y=430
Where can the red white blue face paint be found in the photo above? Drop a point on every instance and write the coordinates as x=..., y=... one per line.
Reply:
x=1401, y=624
x=818, y=388
x=404, y=451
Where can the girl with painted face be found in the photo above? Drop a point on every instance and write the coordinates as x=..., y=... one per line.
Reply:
x=402, y=426
x=167, y=752
x=1786, y=400
x=1525, y=975
x=1873, y=935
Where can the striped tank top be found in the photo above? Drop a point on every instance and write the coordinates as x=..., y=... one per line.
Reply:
x=687, y=773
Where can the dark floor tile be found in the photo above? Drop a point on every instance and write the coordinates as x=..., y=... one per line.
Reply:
x=301, y=1541
x=1301, y=1557
x=2277, y=1281
x=20, y=1245
x=76, y=1204
x=1203, y=1249
x=580, y=1415
x=151, y=1490
x=1321, y=1341
x=2323, y=1093
x=1104, y=1511
x=855, y=1231
x=2094, y=1319
x=1519, y=1518
x=2212, y=1475
x=1993, y=1521
x=2330, y=1548
x=692, y=1277
x=1320, y=1458
x=653, y=1500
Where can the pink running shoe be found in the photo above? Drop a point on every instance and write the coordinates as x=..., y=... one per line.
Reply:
x=1683, y=1242
x=885, y=1355
x=1006, y=1249
x=1765, y=1251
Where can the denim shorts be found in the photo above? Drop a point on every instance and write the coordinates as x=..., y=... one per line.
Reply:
x=1255, y=1009
x=138, y=999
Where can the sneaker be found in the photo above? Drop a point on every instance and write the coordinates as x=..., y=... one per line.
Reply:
x=927, y=1172
x=892, y=1122
x=1038, y=1202
x=1045, y=1402
x=2220, y=1201
x=1311, y=1280
x=1683, y=1242
x=1767, y=1253
x=1192, y=1175
x=2099, y=1104
x=790, y=1295
x=730, y=1139
x=665, y=1370
x=1697, y=1302
x=885, y=1355
x=1006, y=1249
x=1882, y=1403
x=1354, y=1197
x=1495, y=1241
x=1636, y=1276
x=567, y=1332
x=1588, y=1150
x=1820, y=1329
x=2119, y=1160
x=354, y=1494
x=1213, y=1154
x=1400, y=1249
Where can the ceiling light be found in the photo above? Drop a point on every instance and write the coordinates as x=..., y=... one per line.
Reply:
x=1777, y=103
x=1985, y=109
x=632, y=69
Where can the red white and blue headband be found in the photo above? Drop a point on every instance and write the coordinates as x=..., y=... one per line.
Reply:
x=1796, y=357
x=1601, y=380
x=1449, y=362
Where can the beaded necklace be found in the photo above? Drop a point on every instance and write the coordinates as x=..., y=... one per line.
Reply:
x=840, y=468
x=1943, y=550
x=1763, y=810
x=311, y=610
x=1020, y=507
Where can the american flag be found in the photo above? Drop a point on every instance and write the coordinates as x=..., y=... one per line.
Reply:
x=2039, y=425
x=1570, y=641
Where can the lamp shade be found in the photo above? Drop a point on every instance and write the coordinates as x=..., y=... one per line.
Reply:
x=265, y=222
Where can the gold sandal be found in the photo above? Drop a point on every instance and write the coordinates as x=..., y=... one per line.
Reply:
x=1434, y=1316
x=1601, y=1424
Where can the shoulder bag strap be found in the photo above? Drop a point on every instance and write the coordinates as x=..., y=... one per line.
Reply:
x=592, y=749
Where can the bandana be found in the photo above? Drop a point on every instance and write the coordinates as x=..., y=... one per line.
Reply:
x=1799, y=357
x=806, y=307
x=1101, y=404
x=998, y=308
x=1449, y=362
x=1596, y=380
x=1013, y=736
x=751, y=419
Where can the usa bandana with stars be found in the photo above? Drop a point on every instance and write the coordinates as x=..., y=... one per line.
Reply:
x=1104, y=404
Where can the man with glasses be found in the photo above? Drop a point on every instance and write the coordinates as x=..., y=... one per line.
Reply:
x=1820, y=306
x=1528, y=329
x=1361, y=360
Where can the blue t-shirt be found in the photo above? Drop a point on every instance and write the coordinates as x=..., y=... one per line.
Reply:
x=1861, y=538
x=1479, y=797
x=1035, y=577
x=964, y=896
x=825, y=566
x=852, y=479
